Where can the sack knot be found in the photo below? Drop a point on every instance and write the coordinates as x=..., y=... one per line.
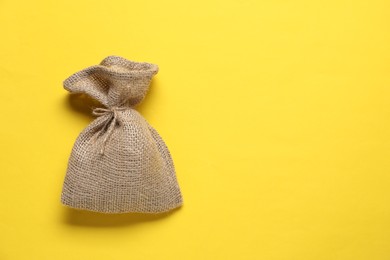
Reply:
x=112, y=112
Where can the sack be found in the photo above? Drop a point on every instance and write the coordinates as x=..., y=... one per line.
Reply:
x=119, y=163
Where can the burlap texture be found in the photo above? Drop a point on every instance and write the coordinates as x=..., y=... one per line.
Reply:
x=119, y=163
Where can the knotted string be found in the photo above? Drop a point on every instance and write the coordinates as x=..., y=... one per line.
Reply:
x=110, y=123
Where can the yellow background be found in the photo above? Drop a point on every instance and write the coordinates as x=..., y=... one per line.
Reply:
x=276, y=114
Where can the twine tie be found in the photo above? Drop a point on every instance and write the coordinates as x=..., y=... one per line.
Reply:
x=112, y=112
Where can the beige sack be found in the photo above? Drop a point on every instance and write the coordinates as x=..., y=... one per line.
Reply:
x=119, y=163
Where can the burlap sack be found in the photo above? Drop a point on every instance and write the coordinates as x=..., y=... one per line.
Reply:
x=119, y=163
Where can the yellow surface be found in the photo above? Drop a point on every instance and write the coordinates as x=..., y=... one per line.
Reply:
x=276, y=114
